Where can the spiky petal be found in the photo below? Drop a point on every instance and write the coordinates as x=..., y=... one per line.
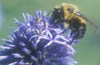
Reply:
x=37, y=43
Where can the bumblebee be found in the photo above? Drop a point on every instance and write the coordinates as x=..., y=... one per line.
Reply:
x=69, y=16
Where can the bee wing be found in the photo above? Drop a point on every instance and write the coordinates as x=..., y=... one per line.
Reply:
x=89, y=21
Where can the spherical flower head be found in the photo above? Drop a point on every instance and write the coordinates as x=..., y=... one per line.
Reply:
x=36, y=42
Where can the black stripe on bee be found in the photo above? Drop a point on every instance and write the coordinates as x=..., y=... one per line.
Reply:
x=77, y=29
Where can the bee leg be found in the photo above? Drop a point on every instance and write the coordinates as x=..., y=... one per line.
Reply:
x=74, y=37
x=77, y=36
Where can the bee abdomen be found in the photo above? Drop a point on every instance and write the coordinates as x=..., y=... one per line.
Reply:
x=78, y=30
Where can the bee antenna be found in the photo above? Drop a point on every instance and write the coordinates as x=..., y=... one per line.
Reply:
x=49, y=13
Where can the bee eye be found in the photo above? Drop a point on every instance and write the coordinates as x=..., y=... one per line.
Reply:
x=59, y=10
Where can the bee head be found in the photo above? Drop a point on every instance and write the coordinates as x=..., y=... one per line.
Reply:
x=58, y=13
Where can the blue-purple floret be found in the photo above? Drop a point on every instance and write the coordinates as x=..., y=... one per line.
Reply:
x=37, y=43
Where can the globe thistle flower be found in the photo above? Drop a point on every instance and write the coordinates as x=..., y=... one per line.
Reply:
x=36, y=42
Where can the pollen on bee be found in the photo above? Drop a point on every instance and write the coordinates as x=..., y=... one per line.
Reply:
x=66, y=25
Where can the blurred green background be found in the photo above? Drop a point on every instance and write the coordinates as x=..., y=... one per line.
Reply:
x=87, y=52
